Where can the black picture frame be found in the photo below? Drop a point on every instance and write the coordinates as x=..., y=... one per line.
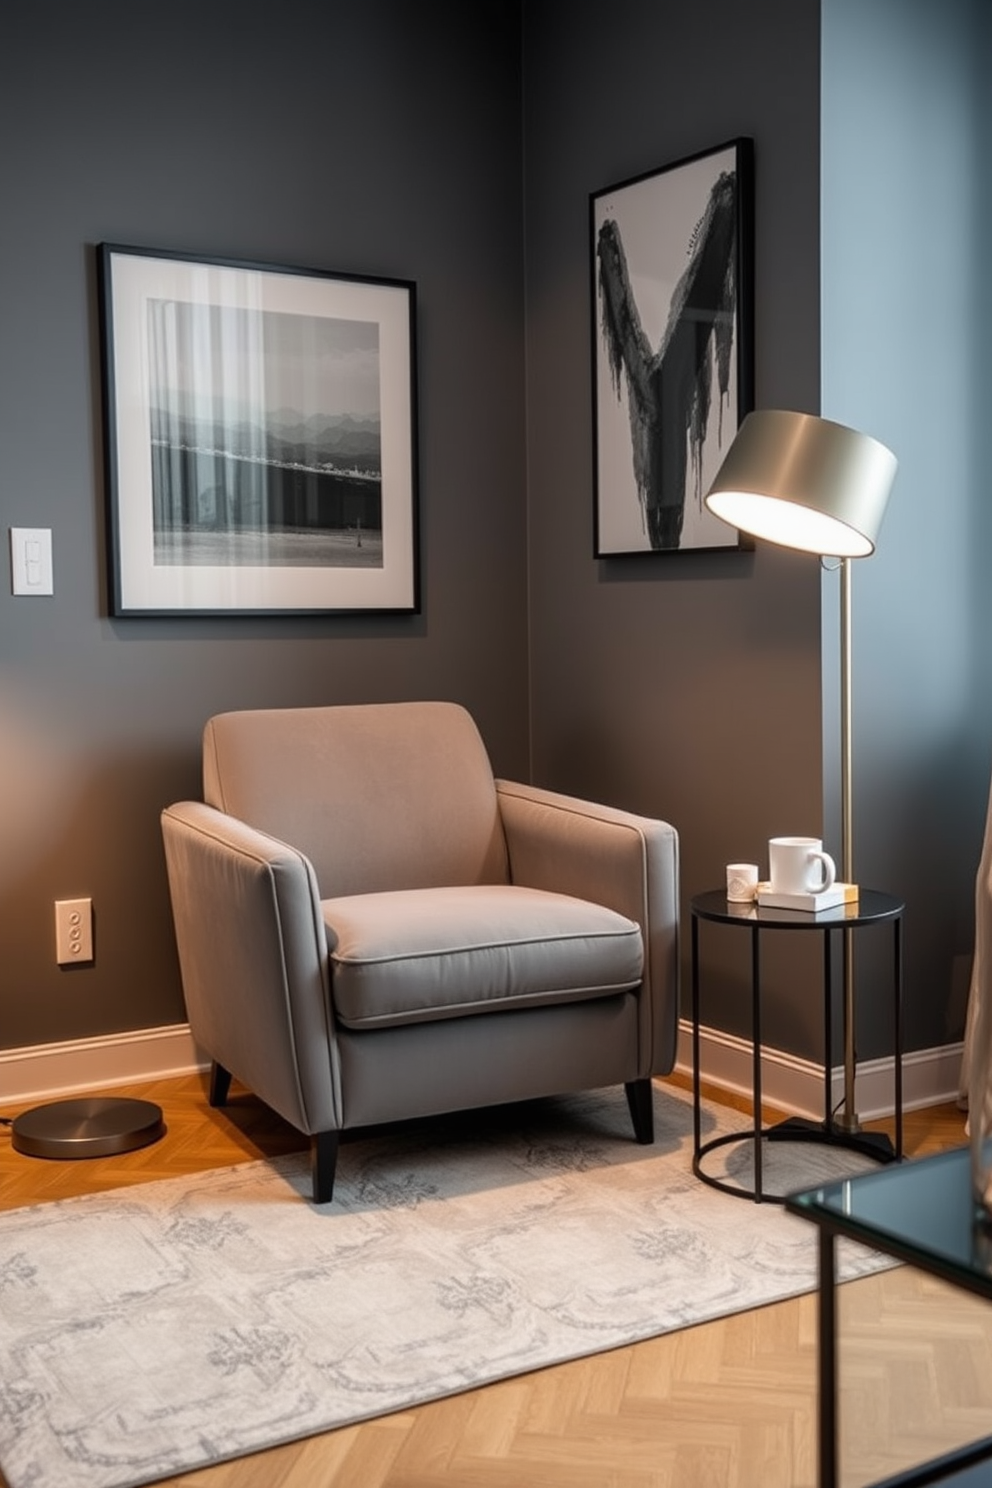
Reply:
x=672, y=297
x=260, y=437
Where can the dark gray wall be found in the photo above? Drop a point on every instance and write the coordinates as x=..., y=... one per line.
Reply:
x=906, y=311
x=380, y=138
x=686, y=685
x=388, y=138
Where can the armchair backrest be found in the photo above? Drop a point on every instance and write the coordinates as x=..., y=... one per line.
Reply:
x=378, y=796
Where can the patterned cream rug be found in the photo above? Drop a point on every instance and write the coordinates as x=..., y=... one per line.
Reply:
x=160, y=1328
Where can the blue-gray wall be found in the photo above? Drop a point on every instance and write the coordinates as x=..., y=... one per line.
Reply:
x=906, y=311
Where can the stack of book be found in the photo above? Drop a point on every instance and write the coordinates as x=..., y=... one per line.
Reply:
x=837, y=894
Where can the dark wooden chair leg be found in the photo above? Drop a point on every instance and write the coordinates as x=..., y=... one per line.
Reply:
x=323, y=1161
x=640, y=1101
x=220, y=1084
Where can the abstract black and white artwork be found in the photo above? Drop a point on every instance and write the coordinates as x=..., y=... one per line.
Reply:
x=260, y=441
x=672, y=294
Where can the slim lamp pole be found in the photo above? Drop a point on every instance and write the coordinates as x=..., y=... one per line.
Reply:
x=848, y=1119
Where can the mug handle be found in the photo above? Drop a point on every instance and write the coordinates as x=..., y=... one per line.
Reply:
x=829, y=871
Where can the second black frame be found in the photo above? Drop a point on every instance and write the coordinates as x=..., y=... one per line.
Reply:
x=672, y=295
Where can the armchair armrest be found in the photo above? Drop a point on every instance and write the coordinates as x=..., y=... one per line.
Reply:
x=627, y=862
x=253, y=958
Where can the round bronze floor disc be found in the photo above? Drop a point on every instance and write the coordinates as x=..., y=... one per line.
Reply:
x=90, y=1126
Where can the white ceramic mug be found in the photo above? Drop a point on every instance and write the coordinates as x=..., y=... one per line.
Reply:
x=798, y=865
x=742, y=882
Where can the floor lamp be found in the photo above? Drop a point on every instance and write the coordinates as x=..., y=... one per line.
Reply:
x=806, y=483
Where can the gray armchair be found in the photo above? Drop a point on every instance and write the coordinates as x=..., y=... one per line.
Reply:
x=370, y=927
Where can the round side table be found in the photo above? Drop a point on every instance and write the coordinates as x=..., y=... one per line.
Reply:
x=872, y=908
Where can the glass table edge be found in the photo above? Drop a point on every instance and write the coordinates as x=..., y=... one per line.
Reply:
x=811, y=1205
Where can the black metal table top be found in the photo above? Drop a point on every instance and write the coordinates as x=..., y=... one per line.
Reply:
x=872, y=906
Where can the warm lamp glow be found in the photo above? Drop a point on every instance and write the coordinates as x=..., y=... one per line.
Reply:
x=804, y=482
x=787, y=524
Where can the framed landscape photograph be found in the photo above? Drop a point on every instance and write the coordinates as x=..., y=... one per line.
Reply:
x=260, y=437
x=672, y=348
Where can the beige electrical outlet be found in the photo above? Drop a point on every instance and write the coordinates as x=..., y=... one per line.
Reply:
x=73, y=931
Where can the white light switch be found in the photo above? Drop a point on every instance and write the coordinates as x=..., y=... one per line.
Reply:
x=31, y=560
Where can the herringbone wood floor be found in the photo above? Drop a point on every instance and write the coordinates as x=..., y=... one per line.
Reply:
x=728, y=1404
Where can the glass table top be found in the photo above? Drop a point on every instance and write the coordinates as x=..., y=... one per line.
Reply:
x=921, y=1212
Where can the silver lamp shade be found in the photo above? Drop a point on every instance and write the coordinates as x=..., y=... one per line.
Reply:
x=804, y=482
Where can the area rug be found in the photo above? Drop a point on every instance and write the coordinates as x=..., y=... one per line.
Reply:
x=157, y=1329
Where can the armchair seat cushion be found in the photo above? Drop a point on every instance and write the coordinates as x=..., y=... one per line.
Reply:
x=416, y=955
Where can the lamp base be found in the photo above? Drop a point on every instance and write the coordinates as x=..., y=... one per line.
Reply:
x=798, y=1129
x=847, y=1121
x=90, y=1126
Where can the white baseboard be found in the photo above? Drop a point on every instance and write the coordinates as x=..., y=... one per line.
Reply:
x=930, y=1077
x=47, y=1071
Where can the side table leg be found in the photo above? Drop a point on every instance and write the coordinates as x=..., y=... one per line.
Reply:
x=827, y=1361
x=897, y=973
x=828, y=1034
x=697, y=1139
x=756, y=1075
